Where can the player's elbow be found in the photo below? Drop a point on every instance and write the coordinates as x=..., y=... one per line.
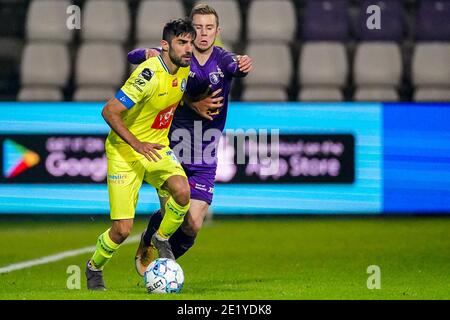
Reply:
x=107, y=113
x=131, y=56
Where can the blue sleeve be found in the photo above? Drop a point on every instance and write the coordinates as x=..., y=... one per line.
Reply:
x=126, y=101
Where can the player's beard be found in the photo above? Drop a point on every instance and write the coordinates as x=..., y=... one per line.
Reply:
x=177, y=60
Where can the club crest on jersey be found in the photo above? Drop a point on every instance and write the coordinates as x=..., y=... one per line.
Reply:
x=174, y=82
x=183, y=85
x=147, y=74
x=214, y=77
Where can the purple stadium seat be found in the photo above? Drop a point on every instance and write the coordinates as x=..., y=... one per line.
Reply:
x=391, y=21
x=326, y=20
x=433, y=21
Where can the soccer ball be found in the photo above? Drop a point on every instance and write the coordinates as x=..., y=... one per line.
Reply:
x=164, y=276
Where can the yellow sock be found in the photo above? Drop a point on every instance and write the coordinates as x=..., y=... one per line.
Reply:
x=105, y=249
x=173, y=218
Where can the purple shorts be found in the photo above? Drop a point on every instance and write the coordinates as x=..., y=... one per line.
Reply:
x=201, y=181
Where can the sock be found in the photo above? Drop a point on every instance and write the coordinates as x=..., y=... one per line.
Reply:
x=105, y=249
x=173, y=218
x=180, y=243
x=152, y=227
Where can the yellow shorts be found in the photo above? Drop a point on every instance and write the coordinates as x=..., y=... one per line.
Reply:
x=125, y=179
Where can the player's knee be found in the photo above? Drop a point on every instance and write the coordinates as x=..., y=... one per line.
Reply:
x=182, y=194
x=121, y=231
x=192, y=226
x=124, y=233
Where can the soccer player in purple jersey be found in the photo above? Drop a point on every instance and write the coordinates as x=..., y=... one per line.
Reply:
x=212, y=70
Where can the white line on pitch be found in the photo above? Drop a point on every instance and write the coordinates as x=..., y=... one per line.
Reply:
x=57, y=257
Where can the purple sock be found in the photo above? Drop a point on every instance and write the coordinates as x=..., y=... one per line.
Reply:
x=153, y=225
x=179, y=241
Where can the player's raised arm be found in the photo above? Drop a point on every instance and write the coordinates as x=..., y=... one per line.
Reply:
x=139, y=55
x=245, y=63
x=237, y=66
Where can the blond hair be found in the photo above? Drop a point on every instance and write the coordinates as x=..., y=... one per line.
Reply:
x=204, y=9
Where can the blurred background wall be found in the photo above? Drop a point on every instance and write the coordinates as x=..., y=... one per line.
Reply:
x=303, y=50
x=321, y=77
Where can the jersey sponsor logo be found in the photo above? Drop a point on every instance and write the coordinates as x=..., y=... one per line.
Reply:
x=201, y=187
x=164, y=117
x=175, y=210
x=183, y=85
x=213, y=113
x=147, y=74
x=119, y=178
x=162, y=94
x=175, y=82
x=137, y=87
x=219, y=71
x=139, y=82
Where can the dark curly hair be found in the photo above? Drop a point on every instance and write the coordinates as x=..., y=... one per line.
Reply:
x=177, y=27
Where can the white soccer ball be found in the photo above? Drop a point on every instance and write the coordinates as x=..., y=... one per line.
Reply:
x=164, y=276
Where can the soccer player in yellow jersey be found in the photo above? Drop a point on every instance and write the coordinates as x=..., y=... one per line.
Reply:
x=138, y=149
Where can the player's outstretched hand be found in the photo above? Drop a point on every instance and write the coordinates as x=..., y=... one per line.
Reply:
x=244, y=63
x=208, y=105
x=150, y=53
x=149, y=150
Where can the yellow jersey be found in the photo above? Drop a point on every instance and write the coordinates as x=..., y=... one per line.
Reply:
x=151, y=94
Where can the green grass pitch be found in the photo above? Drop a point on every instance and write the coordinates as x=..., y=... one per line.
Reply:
x=243, y=258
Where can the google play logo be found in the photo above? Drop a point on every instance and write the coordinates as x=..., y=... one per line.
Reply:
x=17, y=158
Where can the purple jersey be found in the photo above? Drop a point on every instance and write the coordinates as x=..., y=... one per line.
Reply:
x=216, y=73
